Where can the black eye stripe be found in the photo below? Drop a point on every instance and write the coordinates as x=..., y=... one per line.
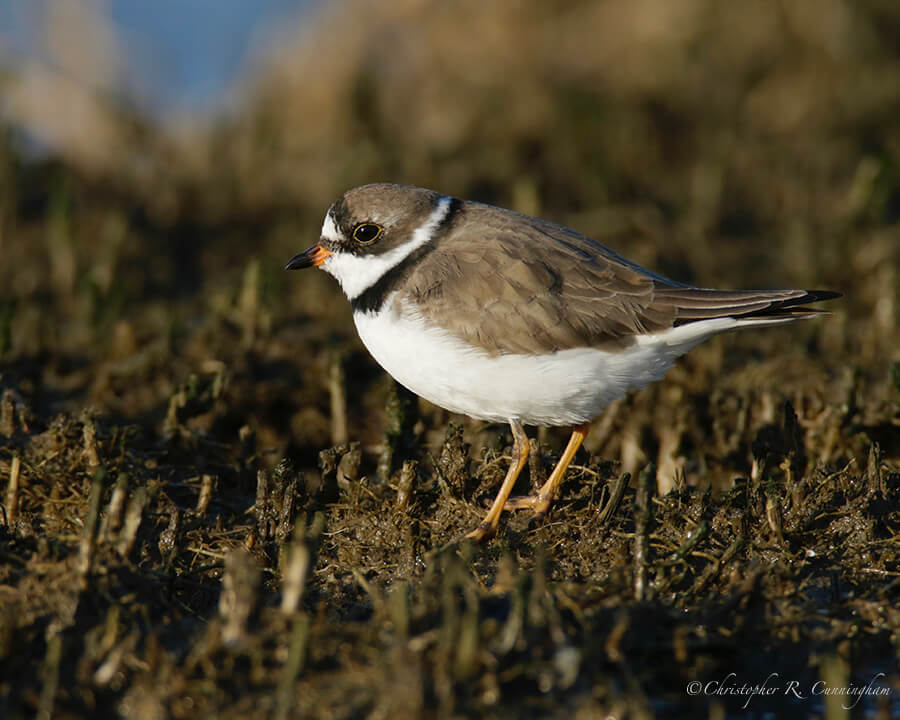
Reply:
x=366, y=233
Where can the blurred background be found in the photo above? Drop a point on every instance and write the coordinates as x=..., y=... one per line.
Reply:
x=159, y=162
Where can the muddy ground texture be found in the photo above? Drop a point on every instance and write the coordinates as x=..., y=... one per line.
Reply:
x=215, y=504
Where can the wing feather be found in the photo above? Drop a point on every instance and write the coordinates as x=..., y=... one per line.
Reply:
x=529, y=286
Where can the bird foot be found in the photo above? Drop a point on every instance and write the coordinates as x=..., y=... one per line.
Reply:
x=484, y=532
x=539, y=504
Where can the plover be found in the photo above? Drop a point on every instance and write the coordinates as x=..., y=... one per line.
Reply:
x=505, y=317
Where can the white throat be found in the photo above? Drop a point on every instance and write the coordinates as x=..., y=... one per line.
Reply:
x=357, y=273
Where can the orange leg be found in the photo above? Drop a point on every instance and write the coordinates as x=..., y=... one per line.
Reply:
x=540, y=502
x=488, y=527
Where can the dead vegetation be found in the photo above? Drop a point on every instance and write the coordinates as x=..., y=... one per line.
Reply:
x=215, y=504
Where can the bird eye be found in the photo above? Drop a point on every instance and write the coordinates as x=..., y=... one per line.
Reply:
x=366, y=233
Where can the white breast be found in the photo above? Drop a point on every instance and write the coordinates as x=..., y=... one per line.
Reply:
x=568, y=387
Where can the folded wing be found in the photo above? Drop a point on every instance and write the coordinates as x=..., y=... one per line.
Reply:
x=537, y=287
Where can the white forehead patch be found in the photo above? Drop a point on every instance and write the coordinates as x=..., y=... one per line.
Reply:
x=330, y=229
x=357, y=273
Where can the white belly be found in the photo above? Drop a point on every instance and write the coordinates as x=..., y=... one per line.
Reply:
x=568, y=387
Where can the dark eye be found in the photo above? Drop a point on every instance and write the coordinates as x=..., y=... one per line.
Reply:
x=366, y=233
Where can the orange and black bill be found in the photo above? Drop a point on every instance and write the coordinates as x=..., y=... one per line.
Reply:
x=315, y=255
